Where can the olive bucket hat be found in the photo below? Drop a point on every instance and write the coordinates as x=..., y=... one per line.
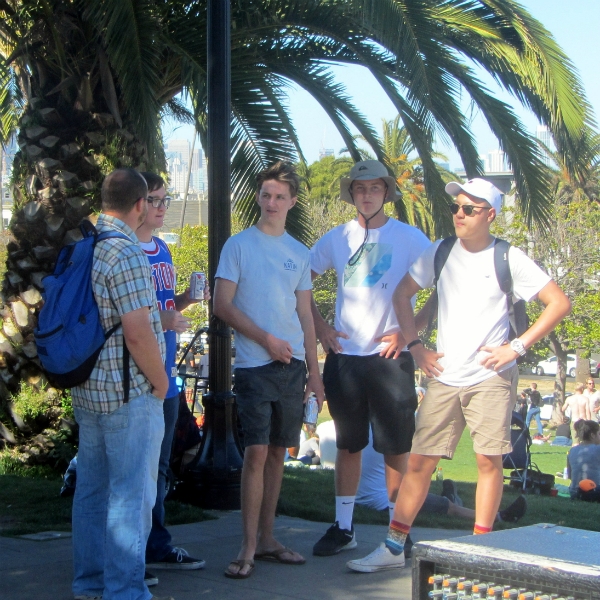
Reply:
x=368, y=169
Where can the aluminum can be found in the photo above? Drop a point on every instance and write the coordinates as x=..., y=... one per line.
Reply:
x=311, y=410
x=197, y=285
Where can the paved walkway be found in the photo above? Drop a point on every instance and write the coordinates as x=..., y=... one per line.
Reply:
x=31, y=570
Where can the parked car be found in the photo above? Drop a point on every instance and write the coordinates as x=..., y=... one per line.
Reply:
x=548, y=367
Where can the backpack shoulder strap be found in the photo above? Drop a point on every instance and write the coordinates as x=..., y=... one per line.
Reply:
x=505, y=281
x=502, y=266
x=439, y=260
x=441, y=256
x=105, y=235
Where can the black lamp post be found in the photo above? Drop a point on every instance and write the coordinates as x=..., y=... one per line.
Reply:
x=214, y=477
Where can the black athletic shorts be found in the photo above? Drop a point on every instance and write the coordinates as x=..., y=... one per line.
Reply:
x=371, y=390
x=270, y=402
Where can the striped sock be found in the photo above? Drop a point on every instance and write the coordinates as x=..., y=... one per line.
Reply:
x=396, y=537
x=479, y=529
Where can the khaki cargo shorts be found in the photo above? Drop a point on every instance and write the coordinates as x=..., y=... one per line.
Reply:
x=486, y=408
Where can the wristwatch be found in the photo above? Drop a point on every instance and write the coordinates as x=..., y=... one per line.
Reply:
x=518, y=347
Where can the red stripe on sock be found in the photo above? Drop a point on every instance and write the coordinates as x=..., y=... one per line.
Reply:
x=401, y=527
x=478, y=529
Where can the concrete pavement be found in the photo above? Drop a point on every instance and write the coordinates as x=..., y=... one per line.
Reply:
x=33, y=570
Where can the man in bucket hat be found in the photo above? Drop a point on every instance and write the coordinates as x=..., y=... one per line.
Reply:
x=368, y=374
x=474, y=365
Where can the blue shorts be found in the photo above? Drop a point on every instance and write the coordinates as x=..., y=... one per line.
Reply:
x=270, y=403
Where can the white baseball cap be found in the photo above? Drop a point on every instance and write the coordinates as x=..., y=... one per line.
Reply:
x=480, y=188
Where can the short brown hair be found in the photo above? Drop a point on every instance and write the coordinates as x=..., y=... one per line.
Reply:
x=154, y=181
x=121, y=189
x=283, y=172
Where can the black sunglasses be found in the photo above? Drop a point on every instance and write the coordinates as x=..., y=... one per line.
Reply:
x=467, y=208
x=158, y=202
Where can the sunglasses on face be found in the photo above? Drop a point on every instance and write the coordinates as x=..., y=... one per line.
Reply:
x=467, y=208
x=158, y=202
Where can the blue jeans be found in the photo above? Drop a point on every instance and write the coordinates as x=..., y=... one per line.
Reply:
x=534, y=411
x=116, y=490
x=159, y=542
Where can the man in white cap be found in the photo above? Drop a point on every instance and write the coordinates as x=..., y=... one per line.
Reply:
x=474, y=363
x=368, y=374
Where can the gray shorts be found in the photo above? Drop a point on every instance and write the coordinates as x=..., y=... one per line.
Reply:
x=270, y=403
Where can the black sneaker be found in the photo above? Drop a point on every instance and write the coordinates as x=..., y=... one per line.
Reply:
x=408, y=544
x=513, y=512
x=335, y=540
x=450, y=491
x=178, y=559
x=150, y=579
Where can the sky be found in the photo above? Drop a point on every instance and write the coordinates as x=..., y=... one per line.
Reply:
x=575, y=26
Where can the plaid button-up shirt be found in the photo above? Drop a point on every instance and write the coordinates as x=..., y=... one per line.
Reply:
x=122, y=282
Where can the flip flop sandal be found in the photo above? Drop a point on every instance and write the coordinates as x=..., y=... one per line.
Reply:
x=276, y=556
x=241, y=563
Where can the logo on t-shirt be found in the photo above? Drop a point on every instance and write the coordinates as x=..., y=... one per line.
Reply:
x=290, y=265
x=373, y=264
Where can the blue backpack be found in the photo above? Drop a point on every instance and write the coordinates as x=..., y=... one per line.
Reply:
x=69, y=333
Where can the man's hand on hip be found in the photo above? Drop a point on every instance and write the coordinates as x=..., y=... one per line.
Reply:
x=427, y=360
x=328, y=336
x=395, y=342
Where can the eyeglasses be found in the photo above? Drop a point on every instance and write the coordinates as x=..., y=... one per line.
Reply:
x=590, y=383
x=467, y=208
x=157, y=202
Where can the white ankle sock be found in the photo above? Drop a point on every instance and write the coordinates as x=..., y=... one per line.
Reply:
x=391, y=509
x=344, y=508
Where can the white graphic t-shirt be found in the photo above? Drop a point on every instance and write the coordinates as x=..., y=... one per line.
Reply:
x=364, y=308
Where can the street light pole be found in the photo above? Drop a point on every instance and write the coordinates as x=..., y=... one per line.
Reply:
x=215, y=475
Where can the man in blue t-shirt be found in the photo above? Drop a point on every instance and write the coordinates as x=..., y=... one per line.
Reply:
x=160, y=554
x=263, y=291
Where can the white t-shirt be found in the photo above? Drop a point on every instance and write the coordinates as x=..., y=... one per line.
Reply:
x=268, y=270
x=472, y=308
x=363, y=307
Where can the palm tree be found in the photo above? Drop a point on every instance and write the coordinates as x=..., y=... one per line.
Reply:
x=87, y=82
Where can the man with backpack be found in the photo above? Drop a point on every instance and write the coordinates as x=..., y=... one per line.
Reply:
x=119, y=409
x=474, y=365
x=160, y=554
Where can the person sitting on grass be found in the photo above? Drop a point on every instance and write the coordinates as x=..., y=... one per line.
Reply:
x=584, y=462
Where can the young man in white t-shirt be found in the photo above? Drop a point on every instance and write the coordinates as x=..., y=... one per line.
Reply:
x=474, y=363
x=369, y=379
x=263, y=291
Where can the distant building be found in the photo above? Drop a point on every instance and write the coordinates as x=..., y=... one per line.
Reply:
x=179, y=156
x=497, y=162
x=323, y=152
x=544, y=135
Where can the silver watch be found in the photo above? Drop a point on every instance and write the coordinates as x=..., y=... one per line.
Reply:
x=518, y=347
